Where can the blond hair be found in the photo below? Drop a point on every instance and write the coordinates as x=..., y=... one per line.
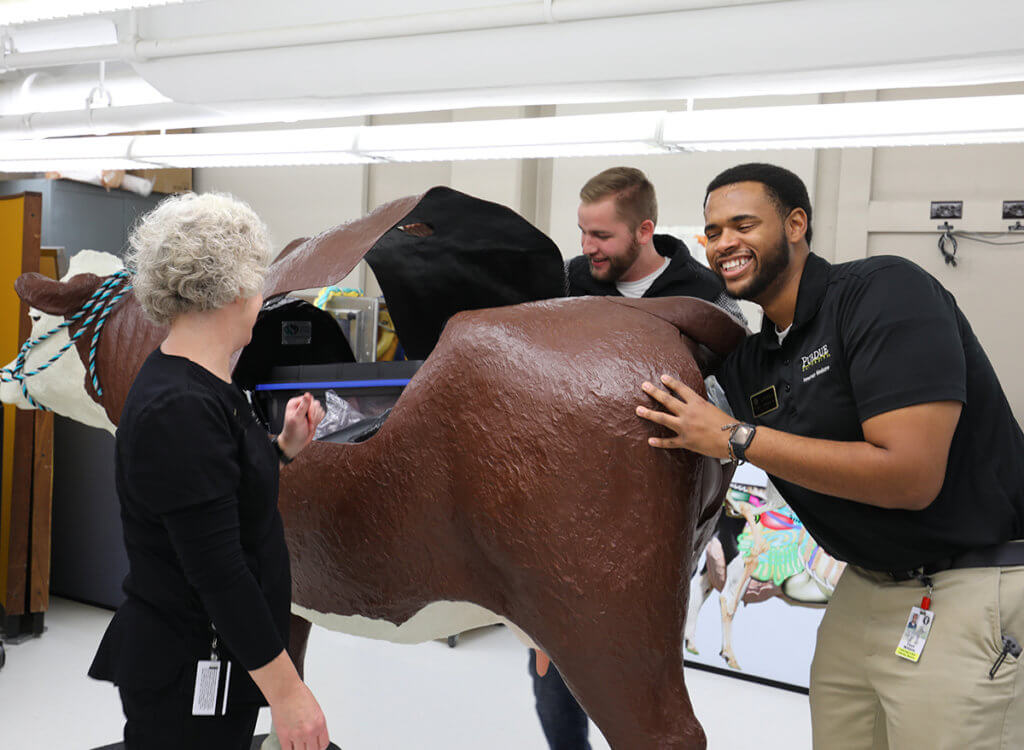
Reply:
x=197, y=252
x=635, y=202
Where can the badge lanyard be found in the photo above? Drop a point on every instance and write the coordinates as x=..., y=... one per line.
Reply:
x=211, y=683
x=919, y=624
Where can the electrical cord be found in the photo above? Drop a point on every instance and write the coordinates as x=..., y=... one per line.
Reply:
x=948, y=256
x=981, y=237
x=948, y=239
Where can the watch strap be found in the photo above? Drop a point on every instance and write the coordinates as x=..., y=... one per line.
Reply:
x=738, y=447
x=281, y=455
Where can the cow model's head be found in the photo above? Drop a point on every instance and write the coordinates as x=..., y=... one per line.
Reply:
x=60, y=387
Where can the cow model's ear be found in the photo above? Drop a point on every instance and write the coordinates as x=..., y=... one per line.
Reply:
x=56, y=297
x=289, y=247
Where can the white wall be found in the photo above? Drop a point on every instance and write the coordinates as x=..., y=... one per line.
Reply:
x=295, y=201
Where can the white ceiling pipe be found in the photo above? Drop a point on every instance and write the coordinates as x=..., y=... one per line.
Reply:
x=100, y=121
x=53, y=58
x=470, y=19
x=57, y=91
x=172, y=115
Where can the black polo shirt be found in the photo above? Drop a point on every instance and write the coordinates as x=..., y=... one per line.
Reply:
x=869, y=337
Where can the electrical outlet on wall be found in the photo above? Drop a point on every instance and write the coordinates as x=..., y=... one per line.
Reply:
x=947, y=210
x=1013, y=209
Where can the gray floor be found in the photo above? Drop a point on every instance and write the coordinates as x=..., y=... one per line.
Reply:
x=377, y=696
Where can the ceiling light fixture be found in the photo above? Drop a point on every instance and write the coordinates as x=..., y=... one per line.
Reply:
x=968, y=120
x=918, y=122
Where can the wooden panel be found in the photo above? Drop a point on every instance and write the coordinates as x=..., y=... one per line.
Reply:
x=12, y=221
x=19, y=253
x=42, y=486
x=48, y=262
x=42, y=505
x=18, y=529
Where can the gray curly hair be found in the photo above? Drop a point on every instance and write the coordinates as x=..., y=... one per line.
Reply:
x=197, y=252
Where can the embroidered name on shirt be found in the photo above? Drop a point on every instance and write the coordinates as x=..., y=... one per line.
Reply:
x=816, y=373
x=815, y=358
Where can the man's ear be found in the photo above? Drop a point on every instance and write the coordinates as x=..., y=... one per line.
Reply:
x=645, y=232
x=796, y=225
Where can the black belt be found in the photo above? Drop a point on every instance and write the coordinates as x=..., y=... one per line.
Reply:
x=1002, y=555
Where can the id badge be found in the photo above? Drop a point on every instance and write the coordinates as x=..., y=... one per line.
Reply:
x=211, y=690
x=915, y=634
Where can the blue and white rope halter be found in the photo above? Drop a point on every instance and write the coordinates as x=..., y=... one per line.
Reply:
x=95, y=312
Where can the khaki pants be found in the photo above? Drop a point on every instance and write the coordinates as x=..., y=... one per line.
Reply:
x=864, y=697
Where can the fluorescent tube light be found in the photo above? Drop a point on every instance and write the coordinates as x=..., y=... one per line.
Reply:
x=629, y=133
x=919, y=122
x=69, y=154
x=314, y=146
x=968, y=120
x=69, y=165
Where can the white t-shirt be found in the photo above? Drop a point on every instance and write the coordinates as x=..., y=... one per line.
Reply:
x=782, y=334
x=637, y=288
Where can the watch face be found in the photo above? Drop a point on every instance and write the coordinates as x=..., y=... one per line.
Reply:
x=742, y=434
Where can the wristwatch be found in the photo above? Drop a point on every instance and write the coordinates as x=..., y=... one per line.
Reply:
x=739, y=440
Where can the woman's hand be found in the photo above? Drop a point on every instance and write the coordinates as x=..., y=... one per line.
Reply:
x=301, y=416
x=298, y=720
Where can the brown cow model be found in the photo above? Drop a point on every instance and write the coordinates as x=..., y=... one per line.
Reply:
x=512, y=474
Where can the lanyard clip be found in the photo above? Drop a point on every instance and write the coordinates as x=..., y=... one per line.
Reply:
x=926, y=600
x=213, y=649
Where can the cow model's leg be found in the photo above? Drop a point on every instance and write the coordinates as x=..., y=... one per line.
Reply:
x=629, y=678
x=614, y=626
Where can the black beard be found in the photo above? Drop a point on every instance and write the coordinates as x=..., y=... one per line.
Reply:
x=769, y=268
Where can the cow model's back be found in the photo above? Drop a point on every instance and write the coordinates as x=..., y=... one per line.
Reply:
x=512, y=474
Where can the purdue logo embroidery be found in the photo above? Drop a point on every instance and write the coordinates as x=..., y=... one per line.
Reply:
x=815, y=358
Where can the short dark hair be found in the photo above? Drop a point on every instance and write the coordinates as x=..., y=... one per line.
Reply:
x=635, y=202
x=785, y=189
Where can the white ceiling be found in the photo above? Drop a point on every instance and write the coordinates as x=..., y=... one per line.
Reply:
x=231, y=62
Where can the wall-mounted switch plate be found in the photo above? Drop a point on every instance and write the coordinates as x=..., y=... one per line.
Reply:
x=947, y=210
x=1013, y=209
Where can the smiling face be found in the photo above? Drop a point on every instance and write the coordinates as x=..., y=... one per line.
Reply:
x=609, y=244
x=749, y=244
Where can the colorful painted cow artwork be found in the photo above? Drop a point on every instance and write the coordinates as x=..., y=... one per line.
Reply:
x=760, y=550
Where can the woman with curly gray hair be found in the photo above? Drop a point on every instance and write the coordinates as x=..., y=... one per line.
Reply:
x=209, y=586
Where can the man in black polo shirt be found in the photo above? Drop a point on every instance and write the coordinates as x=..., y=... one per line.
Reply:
x=870, y=402
x=622, y=256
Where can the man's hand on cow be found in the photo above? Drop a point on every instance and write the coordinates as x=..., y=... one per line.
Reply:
x=301, y=417
x=697, y=423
